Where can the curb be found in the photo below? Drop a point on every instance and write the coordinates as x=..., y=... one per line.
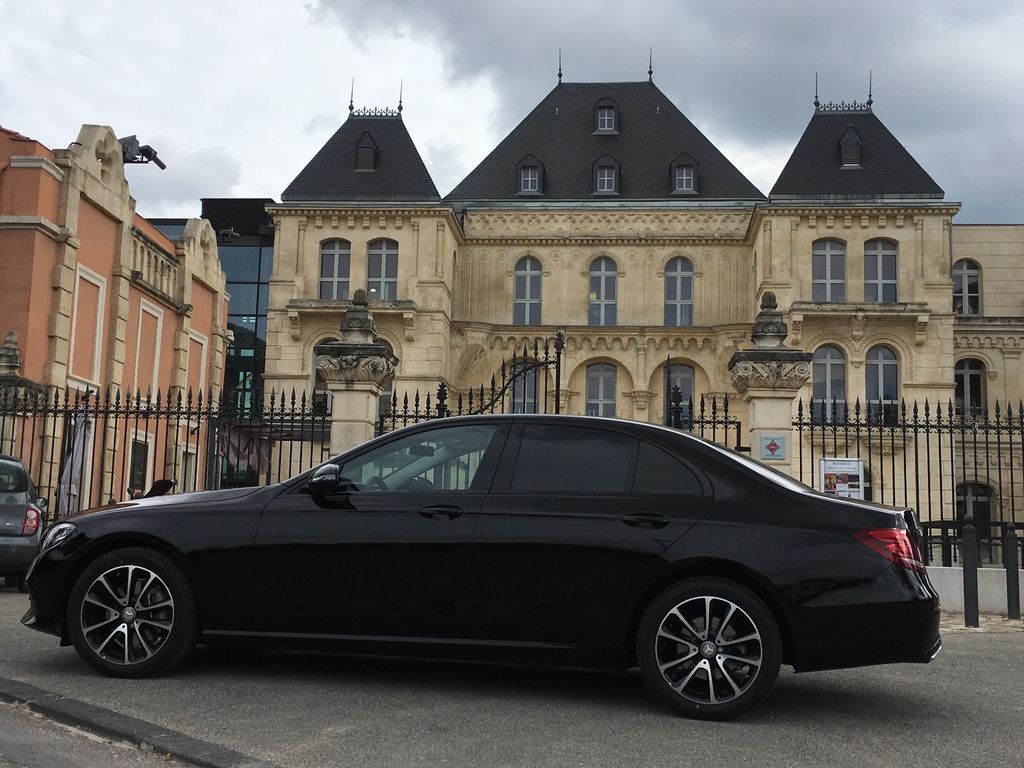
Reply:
x=139, y=733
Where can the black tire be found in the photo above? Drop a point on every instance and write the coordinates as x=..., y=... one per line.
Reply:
x=159, y=632
x=714, y=675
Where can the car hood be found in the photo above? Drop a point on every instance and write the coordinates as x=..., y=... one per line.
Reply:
x=177, y=499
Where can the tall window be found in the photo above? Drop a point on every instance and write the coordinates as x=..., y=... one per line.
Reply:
x=679, y=292
x=879, y=271
x=828, y=271
x=335, y=256
x=382, y=271
x=828, y=370
x=601, y=389
x=970, y=387
x=526, y=292
x=606, y=118
x=882, y=384
x=966, y=288
x=603, y=274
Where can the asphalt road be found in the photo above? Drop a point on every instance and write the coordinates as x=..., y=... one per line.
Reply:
x=966, y=708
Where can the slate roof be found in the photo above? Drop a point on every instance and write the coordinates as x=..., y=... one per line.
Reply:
x=399, y=174
x=652, y=132
x=887, y=169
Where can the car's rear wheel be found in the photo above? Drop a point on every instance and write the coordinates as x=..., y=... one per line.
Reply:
x=709, y=648
x=132, y=613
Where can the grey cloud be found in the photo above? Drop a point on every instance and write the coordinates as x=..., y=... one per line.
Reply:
x=744, y=72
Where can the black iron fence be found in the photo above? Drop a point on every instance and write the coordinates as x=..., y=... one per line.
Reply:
x=528, y=382
x=708, y=418
x=84, y=448
x=943, y=463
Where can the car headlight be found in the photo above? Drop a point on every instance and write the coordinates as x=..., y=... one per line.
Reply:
x=56, y=535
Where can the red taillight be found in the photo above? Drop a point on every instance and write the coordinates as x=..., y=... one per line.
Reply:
x=893, y=544
x=31, y=522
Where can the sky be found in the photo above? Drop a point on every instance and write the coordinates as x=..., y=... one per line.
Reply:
x=238, y=95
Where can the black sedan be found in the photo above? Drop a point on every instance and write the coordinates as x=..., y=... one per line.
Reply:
x=536, y=539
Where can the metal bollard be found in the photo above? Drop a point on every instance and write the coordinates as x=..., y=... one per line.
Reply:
x=969, y=539
x=1012, y=565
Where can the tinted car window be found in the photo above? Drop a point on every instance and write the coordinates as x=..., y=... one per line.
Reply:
x=440, y=460
x=659, y=472
x=12, y=478
x=558, y=459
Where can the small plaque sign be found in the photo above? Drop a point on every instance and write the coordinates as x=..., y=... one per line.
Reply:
x=773, y=447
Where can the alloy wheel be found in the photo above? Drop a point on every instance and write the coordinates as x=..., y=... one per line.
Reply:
x=127, y=615
x=708, y=650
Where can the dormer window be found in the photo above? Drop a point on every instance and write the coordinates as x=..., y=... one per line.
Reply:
x=529, y=179
x=606, y=116
x=606, y=176
x=366, y=153
x=683, y=174
x=849, y=148
x=684, y=178
x=529, y=176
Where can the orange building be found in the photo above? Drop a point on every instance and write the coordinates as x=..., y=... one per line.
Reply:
x=95, y=303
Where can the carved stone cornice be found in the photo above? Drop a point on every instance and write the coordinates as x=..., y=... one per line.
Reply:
x=1008, y=341
x=354, y=367
x=638, y=225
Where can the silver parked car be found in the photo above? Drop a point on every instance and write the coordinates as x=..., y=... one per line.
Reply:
x=21, y=520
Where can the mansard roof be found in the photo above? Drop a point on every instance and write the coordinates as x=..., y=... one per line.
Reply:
x=398, y=173
x=886, y=169
x=562, y=132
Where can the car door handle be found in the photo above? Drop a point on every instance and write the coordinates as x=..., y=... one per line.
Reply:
x=646, y=520
x=442, y=512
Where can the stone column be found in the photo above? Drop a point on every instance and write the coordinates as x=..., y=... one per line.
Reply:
x=769, y=377
x=354, y=369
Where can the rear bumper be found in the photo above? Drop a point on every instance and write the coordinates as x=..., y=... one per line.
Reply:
x=17, y=553
x=864, y=635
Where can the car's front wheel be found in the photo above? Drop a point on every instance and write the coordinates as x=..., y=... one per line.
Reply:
x=132, y=613
x=709, y=648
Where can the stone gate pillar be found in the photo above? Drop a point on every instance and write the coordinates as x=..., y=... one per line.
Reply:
x=769, y=377
x=354, y=370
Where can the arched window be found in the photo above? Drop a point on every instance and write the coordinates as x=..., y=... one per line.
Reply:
x=679, y=292
x=321, y=400
x=975, y=499
x=828, y=397
x=882, y=385
x=335, y=256
x=524, y=390
x=880, y=271
x=526, y=292
x=828, y=271
x=382, y=270
x=601, y=389
x=969, y=375
x=966, y=288
x=679, y=394
x=603, y=276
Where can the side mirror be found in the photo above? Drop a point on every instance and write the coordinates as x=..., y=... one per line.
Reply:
x=41, y=503
x=325, y=480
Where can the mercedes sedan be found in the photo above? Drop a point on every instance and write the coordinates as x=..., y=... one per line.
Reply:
x=534, y=539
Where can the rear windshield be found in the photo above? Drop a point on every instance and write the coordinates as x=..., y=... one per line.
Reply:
x=12, y=478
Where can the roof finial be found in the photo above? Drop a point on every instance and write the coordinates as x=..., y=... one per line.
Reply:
x=401, y=84
x=816, y=102
x=351, y=96
x=650, y=65
x=559, y=65
x=870, y=100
